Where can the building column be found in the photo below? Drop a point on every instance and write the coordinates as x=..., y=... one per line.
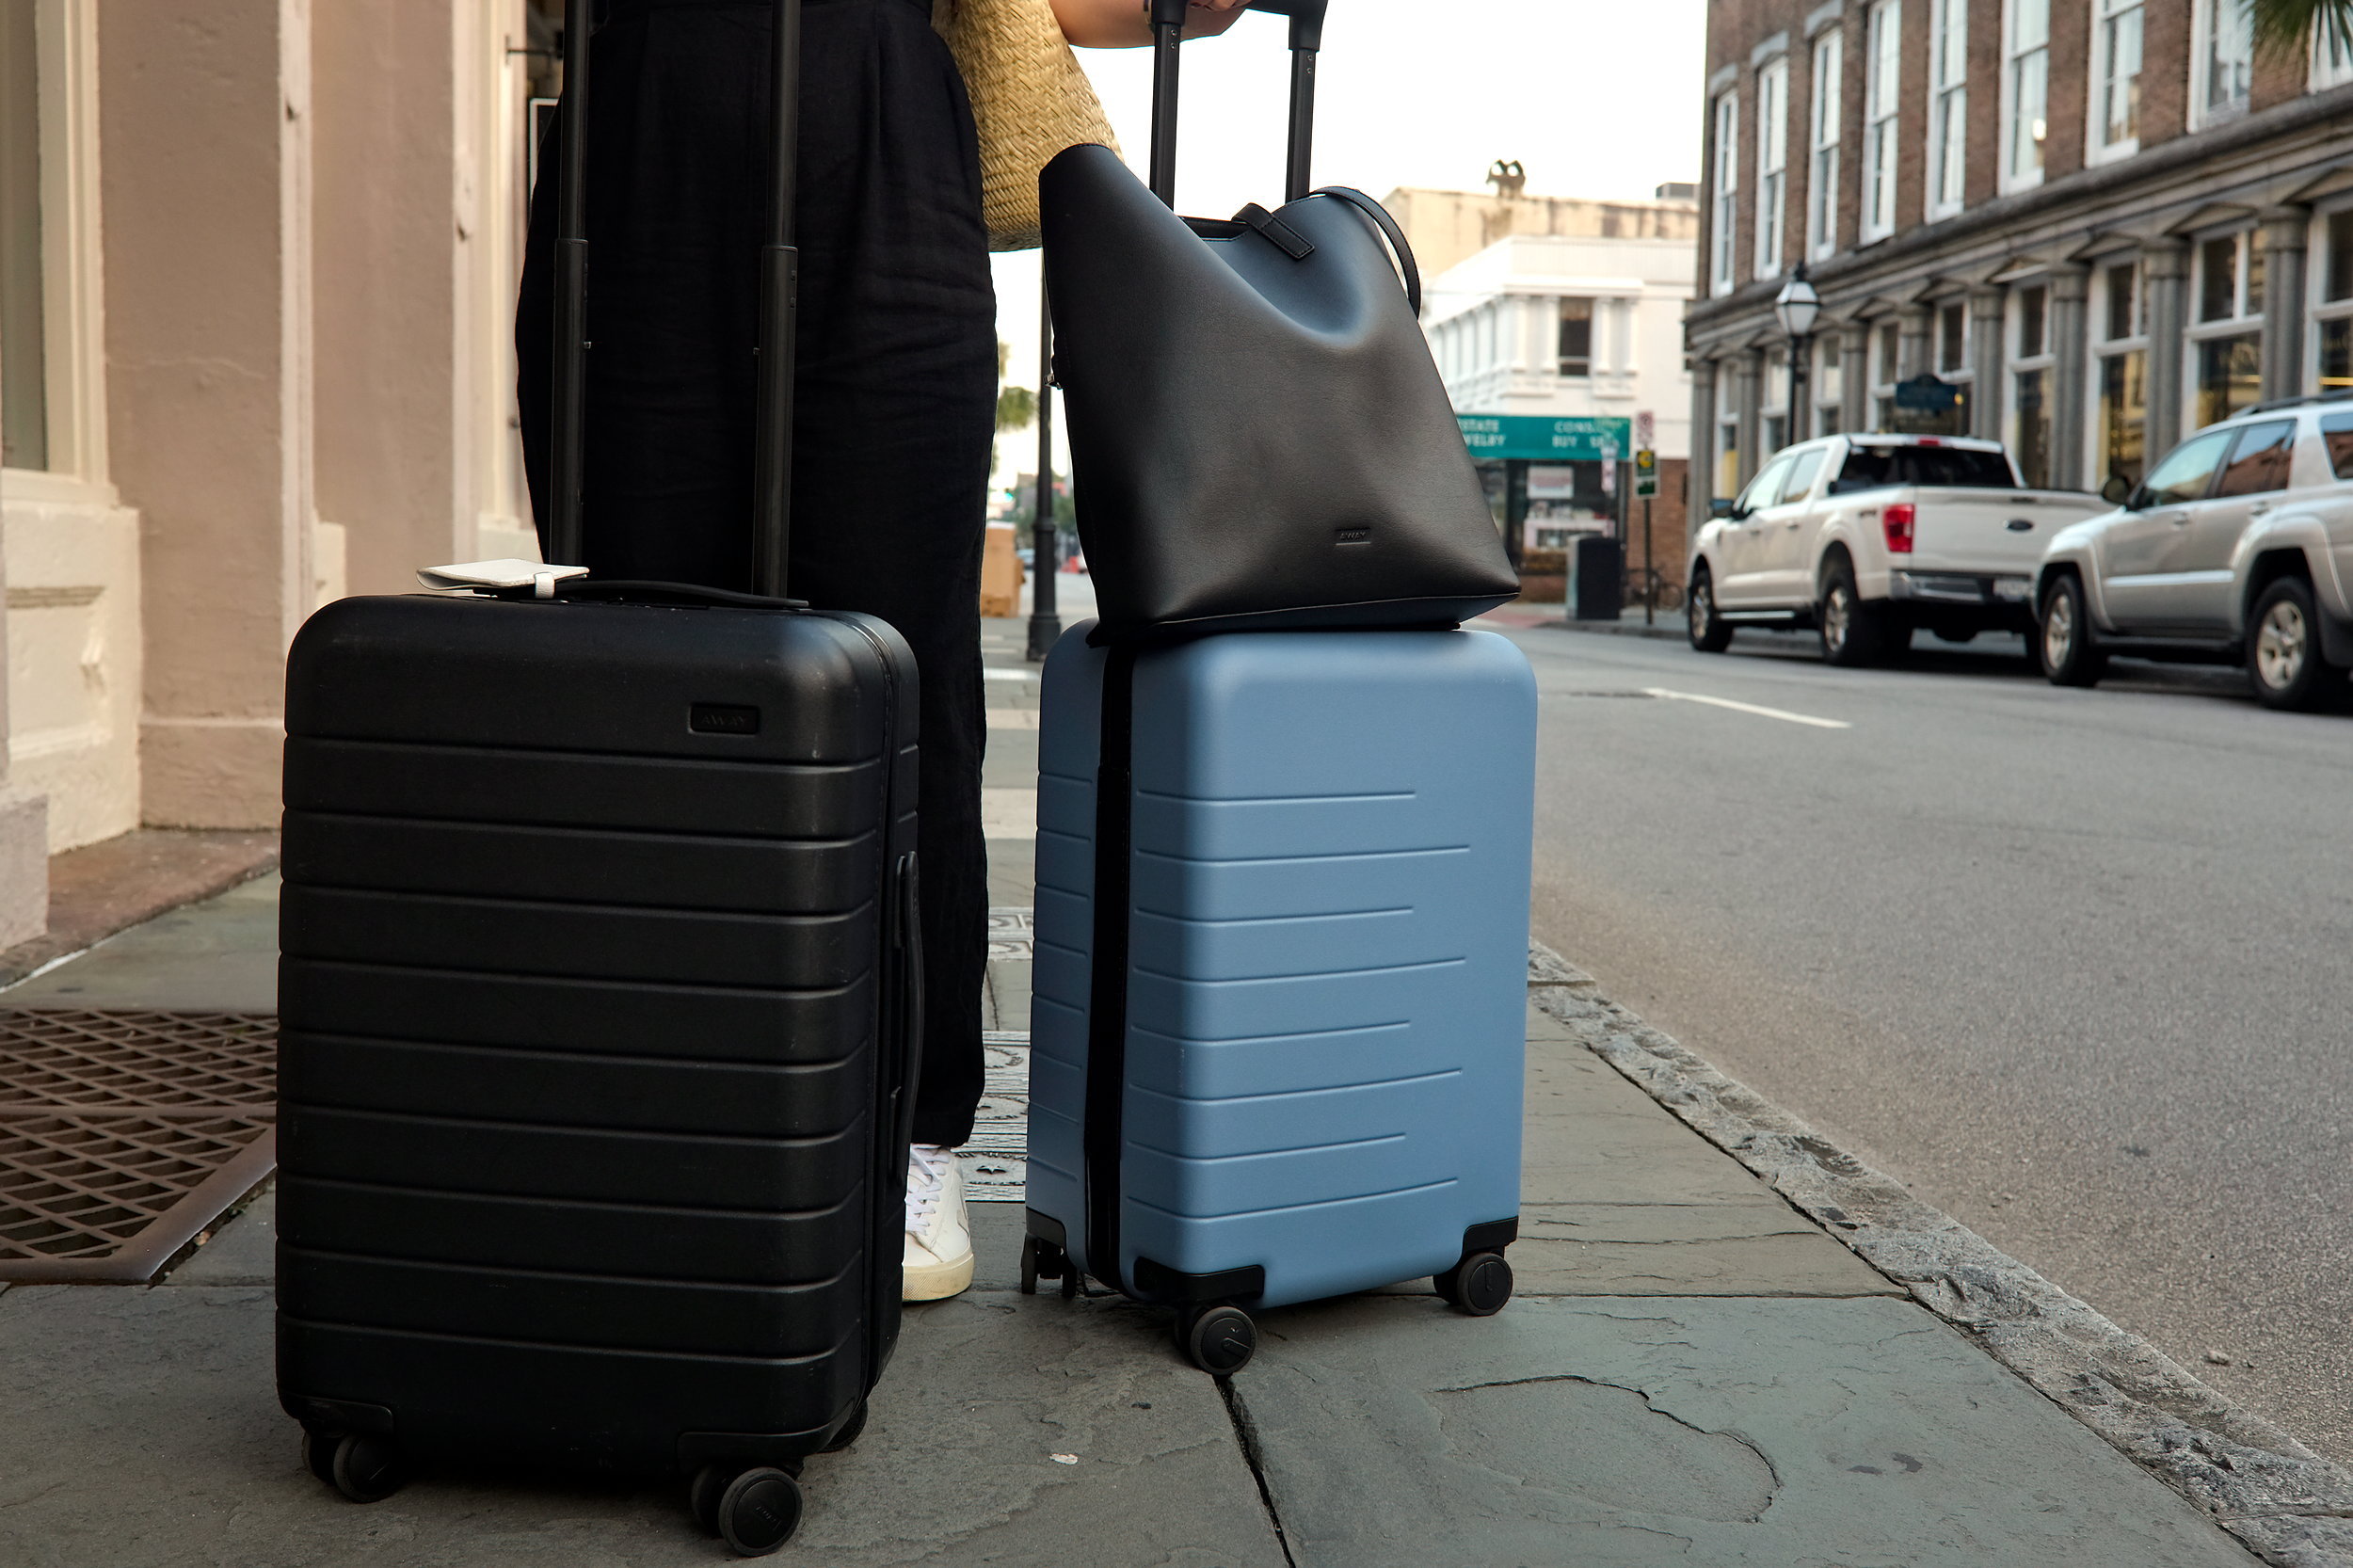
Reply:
x=1751, y=375
x=23, y=831
x=2165, y=290
x=205, y=116
x=2070, y=287
x=1854, y=375
x=1987, y=394
x=1700, y=472
x=2284, y=238
x=1915, y=354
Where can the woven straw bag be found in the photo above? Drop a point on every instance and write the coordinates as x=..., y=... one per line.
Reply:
x=1029, y=100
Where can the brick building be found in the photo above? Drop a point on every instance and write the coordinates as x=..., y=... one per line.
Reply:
x=2108, y=221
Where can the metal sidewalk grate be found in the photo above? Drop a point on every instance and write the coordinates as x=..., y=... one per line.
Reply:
x=125, y=1134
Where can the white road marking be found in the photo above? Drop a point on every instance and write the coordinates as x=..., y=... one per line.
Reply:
x=1009, y=813
x=992, y=673
x=1013, y=718
x=1781, y=713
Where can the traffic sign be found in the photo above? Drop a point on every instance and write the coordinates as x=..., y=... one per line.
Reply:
x=1645, y=431
x=1496, y=438
x=1645, y=473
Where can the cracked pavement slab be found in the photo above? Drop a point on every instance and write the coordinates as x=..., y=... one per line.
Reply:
x=1593, y=1432
x=143, y=1431
x=1618, y=1199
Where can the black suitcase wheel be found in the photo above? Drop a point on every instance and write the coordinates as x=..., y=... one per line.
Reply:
x=1217, y=1340
x=318, y=1454
x=758, y=1512
x=849, y=1433
x=1042, y=1260
x=703, y=1494
x=1478, y=1285
x=366, y=1469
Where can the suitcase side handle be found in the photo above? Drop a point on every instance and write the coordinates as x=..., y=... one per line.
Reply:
x=1168, y=31
x=780, y=300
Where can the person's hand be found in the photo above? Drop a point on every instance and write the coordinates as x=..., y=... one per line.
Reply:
x=1126, y=24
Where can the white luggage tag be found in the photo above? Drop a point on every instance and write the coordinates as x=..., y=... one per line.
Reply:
x=508, y=573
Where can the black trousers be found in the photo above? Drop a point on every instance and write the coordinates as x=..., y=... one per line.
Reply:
x=896, y=386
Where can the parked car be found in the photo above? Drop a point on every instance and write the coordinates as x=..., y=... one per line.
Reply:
x=1868, y=538
x=2238, y=545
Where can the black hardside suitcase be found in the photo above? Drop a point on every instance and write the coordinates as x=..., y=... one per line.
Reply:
x=599, y=1003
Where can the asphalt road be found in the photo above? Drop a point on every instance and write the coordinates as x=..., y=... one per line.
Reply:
x=2076, y=966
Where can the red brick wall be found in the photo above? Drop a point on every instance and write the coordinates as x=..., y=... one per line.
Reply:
x=2070, y=51
x=2164, y=70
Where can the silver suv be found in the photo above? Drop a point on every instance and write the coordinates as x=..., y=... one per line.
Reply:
x=2239, y=545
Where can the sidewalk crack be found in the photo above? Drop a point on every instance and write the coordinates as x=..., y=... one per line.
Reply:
x=1246, y=1435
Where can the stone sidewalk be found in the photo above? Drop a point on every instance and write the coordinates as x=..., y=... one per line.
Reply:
x=1692, y=1373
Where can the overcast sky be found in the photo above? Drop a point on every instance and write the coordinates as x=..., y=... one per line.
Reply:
x=1597, y=98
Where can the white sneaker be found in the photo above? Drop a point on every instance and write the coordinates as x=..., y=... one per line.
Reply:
x=938, y=1258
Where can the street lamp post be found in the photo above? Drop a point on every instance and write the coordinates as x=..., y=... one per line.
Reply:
x=1045, y=536
x=1796, y=308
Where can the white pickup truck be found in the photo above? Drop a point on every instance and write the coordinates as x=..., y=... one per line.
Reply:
x=1867, y=539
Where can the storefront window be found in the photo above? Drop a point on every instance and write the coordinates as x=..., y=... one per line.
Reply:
x=23, y=368
x=2336, y=354
x=1952, y=338
x=2123, y=320
x=2034, y=427
x=2218, y=280
x=2230, y=376
x=2123, y=414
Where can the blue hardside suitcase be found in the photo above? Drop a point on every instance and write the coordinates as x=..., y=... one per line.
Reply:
x=1278, y=1024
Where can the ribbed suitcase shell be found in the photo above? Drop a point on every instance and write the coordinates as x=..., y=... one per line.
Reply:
x=592, y=1008
x=1327, y=951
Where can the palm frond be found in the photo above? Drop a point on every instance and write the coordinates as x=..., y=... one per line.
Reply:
x=2283, y=26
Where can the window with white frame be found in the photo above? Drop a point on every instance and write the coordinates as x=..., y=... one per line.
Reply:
x=2025, y=91
x=1880, y=99
x=1725, y=224
x=1772, y=403
x=1821, y=185
x=1577, y=337
x=23, y=291
x=2331, y=51
x=1948, y=104
x=1772, y=163
x=2222, y=61
x=2115, y=129
x=2226, y=339
x=2031, y=382
x=2332, y=314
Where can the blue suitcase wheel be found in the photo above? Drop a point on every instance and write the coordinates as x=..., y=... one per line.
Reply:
x=758, y=1512
x=366, y=1469
x=1478, y=1285
x=1217, y=1340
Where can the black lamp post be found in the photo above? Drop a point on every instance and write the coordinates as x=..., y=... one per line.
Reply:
x=1796, y=308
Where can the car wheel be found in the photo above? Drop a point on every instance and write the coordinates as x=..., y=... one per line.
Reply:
x=2283, y=647
x=1710, y=632
x=1854, y=631
x=2068, y=655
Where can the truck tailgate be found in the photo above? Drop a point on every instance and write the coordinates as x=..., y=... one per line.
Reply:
x=1989, y=533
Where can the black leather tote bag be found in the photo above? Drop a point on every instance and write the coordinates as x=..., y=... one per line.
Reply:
x=1259, y=437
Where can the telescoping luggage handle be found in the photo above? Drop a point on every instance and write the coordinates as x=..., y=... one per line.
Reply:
x=1168, y=30
x=780, y=300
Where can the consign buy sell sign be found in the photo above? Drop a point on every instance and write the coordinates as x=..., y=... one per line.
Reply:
x=1500, y=438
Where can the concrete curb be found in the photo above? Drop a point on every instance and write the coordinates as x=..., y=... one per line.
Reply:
x=105, y=889
x=2292, y=1508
